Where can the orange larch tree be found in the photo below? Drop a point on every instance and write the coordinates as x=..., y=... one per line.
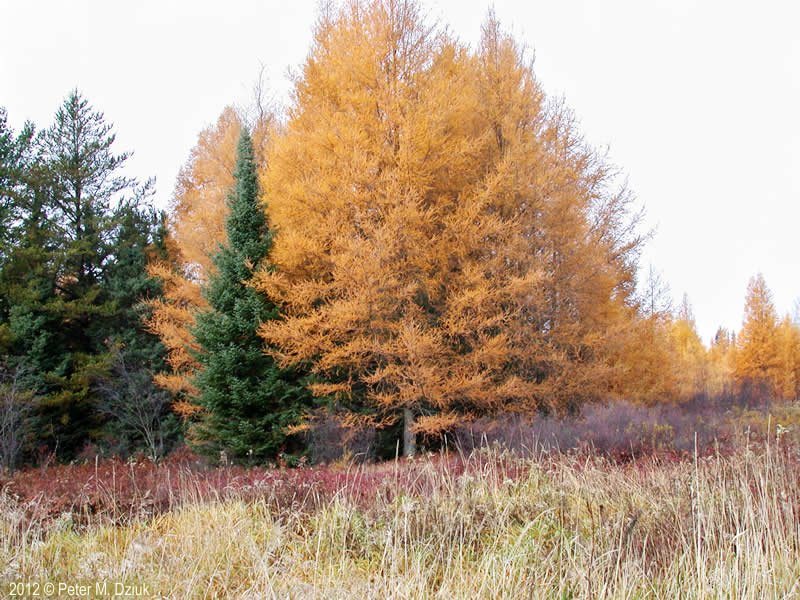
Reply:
x=757, y=342
x=690, y=357
x=722, y=362
x=446, y=244
x=643, y=367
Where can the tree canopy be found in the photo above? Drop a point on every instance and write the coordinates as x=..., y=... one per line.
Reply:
x=72, y=274
x=446, y=243
x=421, y=239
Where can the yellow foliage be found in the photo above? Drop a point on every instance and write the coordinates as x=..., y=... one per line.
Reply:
x=788, y=359
x=445, y=240
x=722, y=360
x=689, y=355
x=757, y=343
x=644, y=368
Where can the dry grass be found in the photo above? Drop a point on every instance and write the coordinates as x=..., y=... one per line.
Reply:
x=553, y=526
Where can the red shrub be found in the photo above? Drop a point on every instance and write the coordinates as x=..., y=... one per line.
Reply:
x=116, y=491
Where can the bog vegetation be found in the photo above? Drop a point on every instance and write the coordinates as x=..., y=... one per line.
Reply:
x=421, y=254
x=492, y=524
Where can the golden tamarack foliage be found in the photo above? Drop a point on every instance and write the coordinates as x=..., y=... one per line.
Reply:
x=788, y=342
x=767, y=350
x=446, y=242
x=670, y=363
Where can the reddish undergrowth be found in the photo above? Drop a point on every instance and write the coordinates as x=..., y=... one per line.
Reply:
x=116, y=491
x=113, y=491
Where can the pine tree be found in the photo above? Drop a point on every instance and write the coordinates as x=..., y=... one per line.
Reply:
x=16, y=159
x=248, y=401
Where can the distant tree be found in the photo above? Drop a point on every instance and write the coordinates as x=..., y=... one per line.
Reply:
x=656, y=299
x=685, y=312
x=757, y=349
x=723, y=339
x=690, y=358
x=643, y=368
x=788, y=351
x=722, y=361
x=248, y=401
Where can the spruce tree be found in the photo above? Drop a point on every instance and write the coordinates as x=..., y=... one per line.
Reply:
x=248, y=401
x=137, y=239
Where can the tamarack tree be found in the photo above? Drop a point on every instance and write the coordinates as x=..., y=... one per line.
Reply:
x=447, y=246
x=767, y=348
x=757, y=353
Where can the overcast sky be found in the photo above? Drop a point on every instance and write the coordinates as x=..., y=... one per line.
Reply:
x=698, y=104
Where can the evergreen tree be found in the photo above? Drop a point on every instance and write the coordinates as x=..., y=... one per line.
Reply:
x=138, y=414
x=197, y=228
x=85, y=175
x=71, y=280
x=9, y=181
x=138, y=237
x=17, y=161
x=248, y=401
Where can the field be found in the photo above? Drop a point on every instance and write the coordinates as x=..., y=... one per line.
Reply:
x=715, y=522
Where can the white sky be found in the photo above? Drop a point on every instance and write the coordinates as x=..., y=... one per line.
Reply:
x=698, y=103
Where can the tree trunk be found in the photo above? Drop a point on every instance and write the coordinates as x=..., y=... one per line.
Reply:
x=409, y=436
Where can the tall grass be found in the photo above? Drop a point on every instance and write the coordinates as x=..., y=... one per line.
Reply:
x=491, y=526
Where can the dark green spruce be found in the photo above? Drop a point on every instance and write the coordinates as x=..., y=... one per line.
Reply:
x=249, y=401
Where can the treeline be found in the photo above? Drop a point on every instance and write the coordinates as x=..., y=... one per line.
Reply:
x=760, y=362
x=423, y=239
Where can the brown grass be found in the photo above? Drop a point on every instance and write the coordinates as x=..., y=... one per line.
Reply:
x=492, y=525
